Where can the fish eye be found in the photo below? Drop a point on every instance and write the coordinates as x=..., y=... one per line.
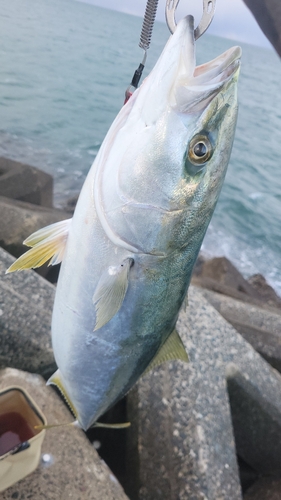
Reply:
x=200, y=149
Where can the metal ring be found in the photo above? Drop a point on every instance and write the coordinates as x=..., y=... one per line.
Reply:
x=206, y=19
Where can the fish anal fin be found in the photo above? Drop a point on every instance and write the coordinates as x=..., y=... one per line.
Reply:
x=110, y=292
x=56, y=380
x=171, y=350
x=47, y=243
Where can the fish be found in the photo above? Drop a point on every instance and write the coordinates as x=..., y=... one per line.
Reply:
x=128, y=252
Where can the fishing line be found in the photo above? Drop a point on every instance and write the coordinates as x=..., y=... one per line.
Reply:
x=144, y=43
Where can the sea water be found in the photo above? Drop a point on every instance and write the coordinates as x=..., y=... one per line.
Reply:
x=64, y=69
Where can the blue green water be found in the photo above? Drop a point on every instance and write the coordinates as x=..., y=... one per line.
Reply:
x=64, y=68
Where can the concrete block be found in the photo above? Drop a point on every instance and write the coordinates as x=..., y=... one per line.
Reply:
x=260, y=326
x=70, y=467
x=23, y=182
x=26, y=302
x=189, y=421
x=19, y=219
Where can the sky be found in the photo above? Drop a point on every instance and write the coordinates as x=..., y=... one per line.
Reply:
x=232, y=18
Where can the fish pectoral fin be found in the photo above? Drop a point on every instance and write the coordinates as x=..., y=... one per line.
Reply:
x=172, y=349
x=56, y=380
x=47, y=243
x=110, y=292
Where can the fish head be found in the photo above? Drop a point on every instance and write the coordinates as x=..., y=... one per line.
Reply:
x=170, y=148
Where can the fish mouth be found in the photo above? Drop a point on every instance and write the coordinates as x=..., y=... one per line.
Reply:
x=220, y=70
x=205, y=81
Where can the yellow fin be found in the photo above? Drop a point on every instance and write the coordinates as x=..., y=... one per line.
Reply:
x=171, y=350
x=110, y=292
x=55, y=379
x=47, y=243
x=123, y=425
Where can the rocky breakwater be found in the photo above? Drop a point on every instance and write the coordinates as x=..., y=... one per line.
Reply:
x=69, y=465
x=209, y=429
x=26, y=204
x=251, y=306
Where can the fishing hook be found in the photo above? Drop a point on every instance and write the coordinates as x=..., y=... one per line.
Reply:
x=206, y=19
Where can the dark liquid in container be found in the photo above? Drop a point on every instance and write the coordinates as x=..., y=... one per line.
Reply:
x=14, y=430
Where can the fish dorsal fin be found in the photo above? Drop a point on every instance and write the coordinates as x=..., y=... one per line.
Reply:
x=56, y=380
x=171, y=350
x=47, y=243
x=110, y=292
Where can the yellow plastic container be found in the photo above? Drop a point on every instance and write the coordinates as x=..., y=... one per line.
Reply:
x=20, y=442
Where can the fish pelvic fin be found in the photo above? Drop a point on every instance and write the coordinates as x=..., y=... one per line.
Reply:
x=56, y=380
x=47, y=243
x=171, y=350
x=110, y=292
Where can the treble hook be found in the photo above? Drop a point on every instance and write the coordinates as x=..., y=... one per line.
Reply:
x=206, y=19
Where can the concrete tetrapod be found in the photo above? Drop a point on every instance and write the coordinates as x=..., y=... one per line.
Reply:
x=26, y=183
x=189, y=421
x=70, y=467
x=26, y=302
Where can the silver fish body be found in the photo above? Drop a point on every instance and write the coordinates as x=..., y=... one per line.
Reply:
x=139, y=224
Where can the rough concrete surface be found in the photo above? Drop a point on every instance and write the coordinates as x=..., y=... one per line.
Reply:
x=26, y=302
x=185, y=416
x=261, y=327
x=73, y=469
x=26, y=183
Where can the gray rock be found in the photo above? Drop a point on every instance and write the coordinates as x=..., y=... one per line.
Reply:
x=26, y=302
x=19, y=219
x=70, y=467
x=265, y=291
x=220, y=275
x=260, y=326
x=190, y=420
x=223, y=271
x=25, y=183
